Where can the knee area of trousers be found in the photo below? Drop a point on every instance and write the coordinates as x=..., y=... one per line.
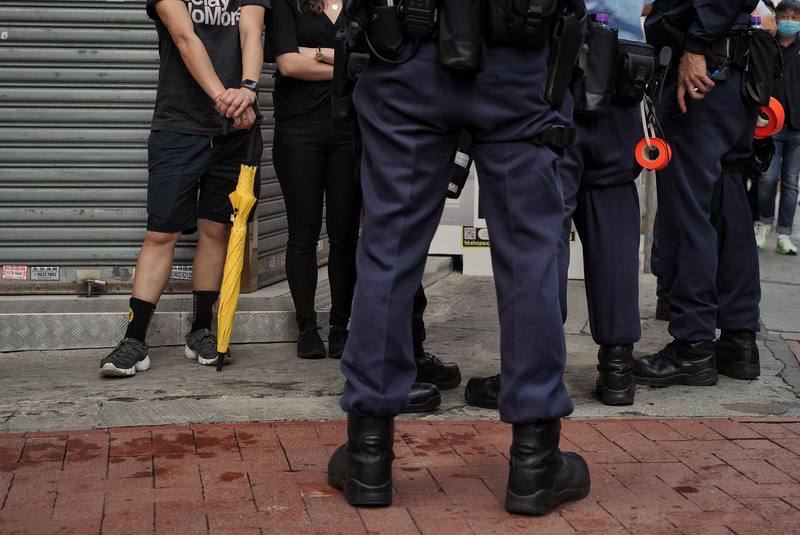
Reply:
x=161, y=239
x=302, y=246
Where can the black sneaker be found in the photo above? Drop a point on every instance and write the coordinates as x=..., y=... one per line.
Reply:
x=483, y=391
x=130, y=356
x=201, y=345
x=737, y=355
x=432, y=370
x=337, y=338
x=309, y=343
x=679, y=363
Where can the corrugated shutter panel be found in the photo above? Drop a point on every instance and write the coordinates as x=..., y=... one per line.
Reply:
x=77, y=85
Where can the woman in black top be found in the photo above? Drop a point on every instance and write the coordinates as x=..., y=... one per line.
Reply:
x=313, y=157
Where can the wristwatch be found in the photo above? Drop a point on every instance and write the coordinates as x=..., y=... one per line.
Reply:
x=251, y=85
x=319, y=56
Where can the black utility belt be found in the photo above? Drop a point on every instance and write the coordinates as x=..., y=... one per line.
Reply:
x=464, y=24
x=613, y=71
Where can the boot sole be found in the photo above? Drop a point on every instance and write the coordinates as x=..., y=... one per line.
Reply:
x=615, y=398
x=704, y=378
x=357, y=493
x=740, y=370
x=313, y=355
x=542, y=502
x=482, y=403
x=429, y=405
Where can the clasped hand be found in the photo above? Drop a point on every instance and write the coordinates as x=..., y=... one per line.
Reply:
x=237, y=104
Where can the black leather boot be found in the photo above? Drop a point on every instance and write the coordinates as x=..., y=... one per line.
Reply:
x=483, y=392
x=309, y=342
x=615, y=378
x=737, y=354
x=423, y=397
x=679, y=363
x=430, y=369
x=362, y=467
x=541, y=477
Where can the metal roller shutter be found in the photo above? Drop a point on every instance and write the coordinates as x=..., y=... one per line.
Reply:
x=77, y=86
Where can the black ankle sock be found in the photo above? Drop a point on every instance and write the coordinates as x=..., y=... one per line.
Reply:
x=203, y=309
x=139, y=316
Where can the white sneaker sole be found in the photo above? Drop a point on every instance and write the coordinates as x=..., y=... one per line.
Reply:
x=189, y=353
x=109, y=370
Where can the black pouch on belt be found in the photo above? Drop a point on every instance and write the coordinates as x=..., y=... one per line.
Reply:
x=593, y=90
x=569, y=34
x=523, y=23
x=764, y=65
x=385, y=28
x=636, y=66
x=461, y=34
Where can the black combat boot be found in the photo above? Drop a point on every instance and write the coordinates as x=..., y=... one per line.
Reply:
x=737, y=354
x=615, y=378
x=423, y=397
x=679, y=363
x=541, y=477
x=362, y=467
x=430, y=369
x=483, y=392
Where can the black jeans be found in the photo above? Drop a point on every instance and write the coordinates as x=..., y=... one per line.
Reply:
x=313, y=158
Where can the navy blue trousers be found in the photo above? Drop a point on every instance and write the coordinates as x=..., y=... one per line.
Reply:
x=706, y=246
x=410, y=116
x=598, y=178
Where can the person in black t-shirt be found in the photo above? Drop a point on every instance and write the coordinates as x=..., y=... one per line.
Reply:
x=211, y=57
x=314, y=159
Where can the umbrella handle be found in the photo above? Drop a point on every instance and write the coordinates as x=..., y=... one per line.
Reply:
x=220, y=361
x=254, y=144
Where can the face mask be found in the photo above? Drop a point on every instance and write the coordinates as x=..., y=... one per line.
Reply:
x=788, y=28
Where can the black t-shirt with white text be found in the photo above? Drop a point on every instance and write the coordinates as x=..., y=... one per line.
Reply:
x=181, y=104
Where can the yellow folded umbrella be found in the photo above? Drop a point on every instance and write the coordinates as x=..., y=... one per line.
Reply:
x=242, y=200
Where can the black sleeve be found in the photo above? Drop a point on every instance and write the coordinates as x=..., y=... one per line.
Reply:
x=714, y=20
x=151, y=9
x=281, y=31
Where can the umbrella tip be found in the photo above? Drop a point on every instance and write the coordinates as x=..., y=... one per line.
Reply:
x=220, y=361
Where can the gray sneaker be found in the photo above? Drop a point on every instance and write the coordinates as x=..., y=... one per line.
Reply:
x=201, y=345
x=130, y=356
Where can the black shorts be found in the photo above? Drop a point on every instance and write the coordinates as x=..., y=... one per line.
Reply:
x=191, y=177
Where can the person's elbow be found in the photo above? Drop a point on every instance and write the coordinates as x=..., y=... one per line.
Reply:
x=287, y=64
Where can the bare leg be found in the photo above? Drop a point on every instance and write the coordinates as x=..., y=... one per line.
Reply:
x=154, y=265
x=209, y=258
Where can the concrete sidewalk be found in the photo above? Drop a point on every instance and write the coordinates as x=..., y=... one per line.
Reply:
x=62, y=390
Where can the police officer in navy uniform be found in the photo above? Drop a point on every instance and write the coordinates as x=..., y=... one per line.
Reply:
x=598, y=176
x=410, y=111
x=707, y=250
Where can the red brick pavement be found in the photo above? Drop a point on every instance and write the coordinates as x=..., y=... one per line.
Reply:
x=648, y=476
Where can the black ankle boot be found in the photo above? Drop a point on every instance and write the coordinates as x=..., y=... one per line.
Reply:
x=483, y=392
x=615, y=379
x=737, y=354
x=679, y=363
x=430, y=369
x=541, y=476
x=362, y=467
x=423, y=397
x=309, y=343
x=337, y=339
